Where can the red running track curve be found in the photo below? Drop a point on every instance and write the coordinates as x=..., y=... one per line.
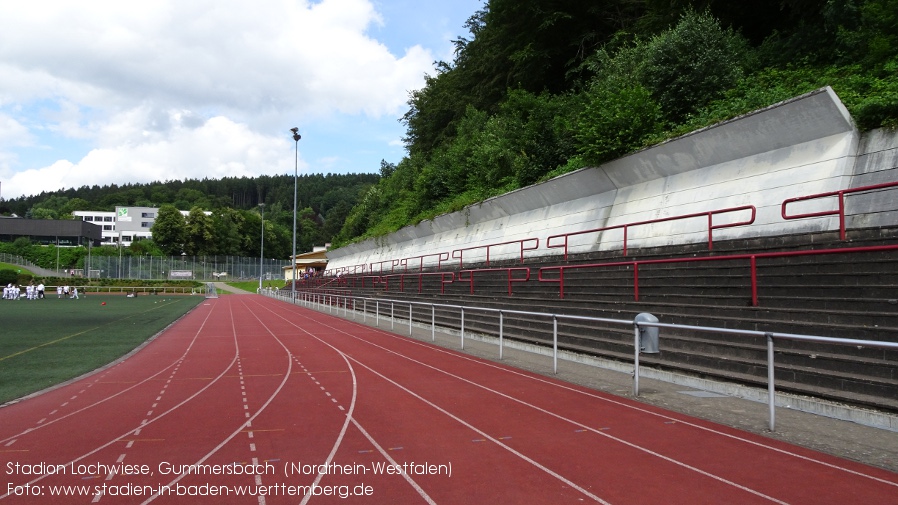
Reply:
x=251, y=400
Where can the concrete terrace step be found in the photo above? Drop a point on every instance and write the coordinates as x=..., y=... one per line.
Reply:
x=849, y=296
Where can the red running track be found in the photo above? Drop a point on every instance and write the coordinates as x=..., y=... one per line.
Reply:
x=258, y=401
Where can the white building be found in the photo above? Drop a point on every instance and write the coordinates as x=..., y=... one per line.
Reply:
x=125, y=225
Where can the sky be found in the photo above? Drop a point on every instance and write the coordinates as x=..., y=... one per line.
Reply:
x=100, y=92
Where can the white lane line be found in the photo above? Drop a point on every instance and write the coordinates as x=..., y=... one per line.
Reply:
x=610, y=400
x=349, y=414
x=249, y=418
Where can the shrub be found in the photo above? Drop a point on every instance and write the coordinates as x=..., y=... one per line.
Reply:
x=693, y=63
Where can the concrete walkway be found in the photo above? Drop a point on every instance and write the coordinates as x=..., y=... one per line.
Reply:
x=221, y=286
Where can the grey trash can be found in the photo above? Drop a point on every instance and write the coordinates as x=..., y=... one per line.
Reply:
x=648, y=335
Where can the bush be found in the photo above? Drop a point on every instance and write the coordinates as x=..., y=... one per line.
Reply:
x=616, y=122
x=8, y=276
x=690, y=65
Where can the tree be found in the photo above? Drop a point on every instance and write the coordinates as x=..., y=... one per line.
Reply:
x=200, y=233
x=170, y=230
x=226, y=224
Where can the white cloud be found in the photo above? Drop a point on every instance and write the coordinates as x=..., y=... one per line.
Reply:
x=169, y=89
x=219, y=148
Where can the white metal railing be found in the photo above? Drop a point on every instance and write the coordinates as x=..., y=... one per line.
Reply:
x=334, y=302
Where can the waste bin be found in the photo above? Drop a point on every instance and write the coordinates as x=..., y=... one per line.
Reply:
x=648, y=335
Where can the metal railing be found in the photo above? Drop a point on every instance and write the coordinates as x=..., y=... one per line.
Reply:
x=350, y=303
x=752, y=260
x=626, y=227
x=510, y=278
x=441, y=257
x=840, y=211
x=461, y=252
x=444, y=278
x=13, y=259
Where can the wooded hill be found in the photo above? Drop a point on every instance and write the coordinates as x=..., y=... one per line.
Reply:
x=235, y=226
x=542, y=87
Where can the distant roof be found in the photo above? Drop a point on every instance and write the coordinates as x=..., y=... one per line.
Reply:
x=51, y=228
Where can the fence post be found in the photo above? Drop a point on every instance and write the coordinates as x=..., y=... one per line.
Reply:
x=555, y=343
x=462, y=327
x=501, y=324
x=410, y=319
x=636, y=359
x=433, y=322
x=771, y=388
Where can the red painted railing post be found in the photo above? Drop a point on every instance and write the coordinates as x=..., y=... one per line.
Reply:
x=842, y=215
x=754, y=281
x=625, y=239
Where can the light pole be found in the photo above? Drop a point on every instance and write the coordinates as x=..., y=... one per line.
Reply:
x=296, y=137
x=262, y=245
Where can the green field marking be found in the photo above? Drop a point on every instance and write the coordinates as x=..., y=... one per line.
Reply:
x=45, y=342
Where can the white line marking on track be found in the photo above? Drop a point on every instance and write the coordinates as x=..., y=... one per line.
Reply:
x=248, y=423
x=486, y=436
x=529, y=375
x=349, y=417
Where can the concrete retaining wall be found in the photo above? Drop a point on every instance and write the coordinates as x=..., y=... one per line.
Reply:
x=807, y=145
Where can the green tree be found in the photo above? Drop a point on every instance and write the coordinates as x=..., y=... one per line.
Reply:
x=43, y=213
x=199, y=233
x=169, y=230
x=144, y=247
x=226, y=224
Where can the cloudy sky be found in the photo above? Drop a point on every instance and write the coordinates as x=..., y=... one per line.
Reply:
x=107, y=91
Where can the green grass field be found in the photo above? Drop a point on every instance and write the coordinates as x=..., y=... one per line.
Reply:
x=45, y=342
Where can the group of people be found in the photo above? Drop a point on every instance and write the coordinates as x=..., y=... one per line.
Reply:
x=32, y=292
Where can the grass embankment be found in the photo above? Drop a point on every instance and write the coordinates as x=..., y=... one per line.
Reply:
x=45, y=342
x=17, y=268
x=253, y=286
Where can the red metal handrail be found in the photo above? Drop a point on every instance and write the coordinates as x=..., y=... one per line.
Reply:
x=752, y=258
x=380, y=264
x=510, y=271
x=461, y=252
x=375, y=279
x=709, y=214
x=841, y=199
x=420, y=275
x=441, y=257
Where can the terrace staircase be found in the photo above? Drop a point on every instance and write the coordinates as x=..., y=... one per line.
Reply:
x=836, y=295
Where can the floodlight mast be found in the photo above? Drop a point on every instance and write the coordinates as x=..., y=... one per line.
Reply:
x=262, y=246
x=296, y=137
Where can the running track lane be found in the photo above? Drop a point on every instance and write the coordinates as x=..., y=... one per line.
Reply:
x=251, y=380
